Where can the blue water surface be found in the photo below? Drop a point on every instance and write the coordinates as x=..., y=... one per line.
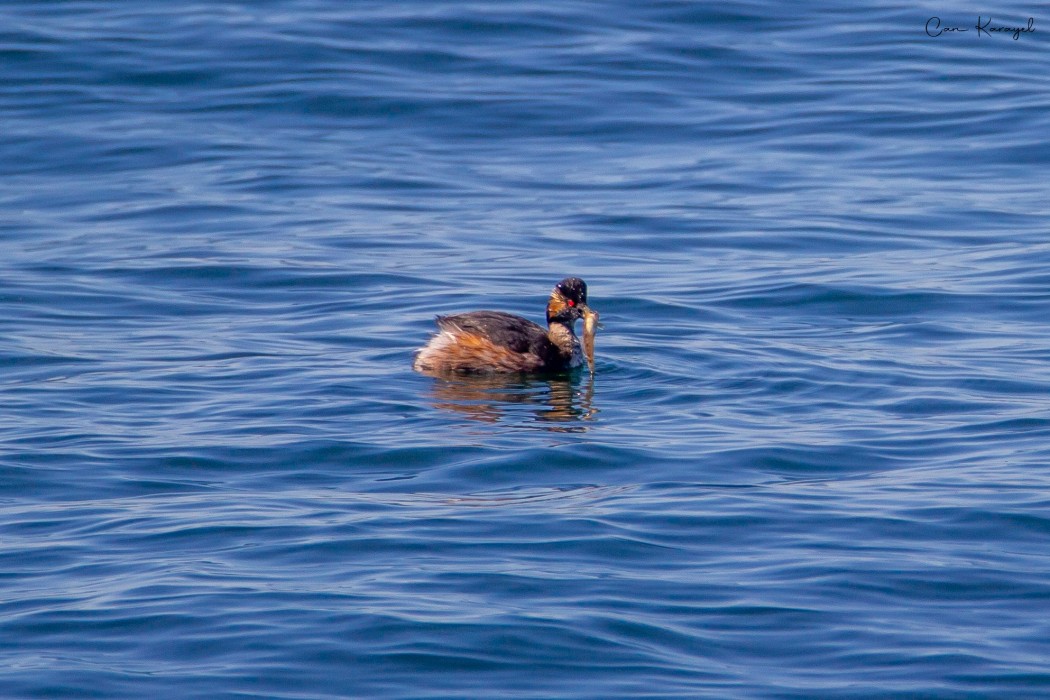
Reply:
x=813, y=460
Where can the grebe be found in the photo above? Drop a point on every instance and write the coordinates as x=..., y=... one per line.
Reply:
x=494, y=341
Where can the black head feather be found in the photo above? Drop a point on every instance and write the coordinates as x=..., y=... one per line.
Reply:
x=568, y=298
x=574, y=289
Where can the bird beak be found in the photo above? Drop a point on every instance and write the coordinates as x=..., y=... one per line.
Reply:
x=587, y=312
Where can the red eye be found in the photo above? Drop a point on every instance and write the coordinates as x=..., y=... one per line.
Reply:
x=571, y=302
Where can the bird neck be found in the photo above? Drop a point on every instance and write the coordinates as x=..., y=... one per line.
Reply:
x=564, y=338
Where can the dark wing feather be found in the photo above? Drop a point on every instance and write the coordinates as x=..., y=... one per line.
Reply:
x=503, y=329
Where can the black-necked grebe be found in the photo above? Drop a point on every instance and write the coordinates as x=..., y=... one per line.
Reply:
x=494, y=341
